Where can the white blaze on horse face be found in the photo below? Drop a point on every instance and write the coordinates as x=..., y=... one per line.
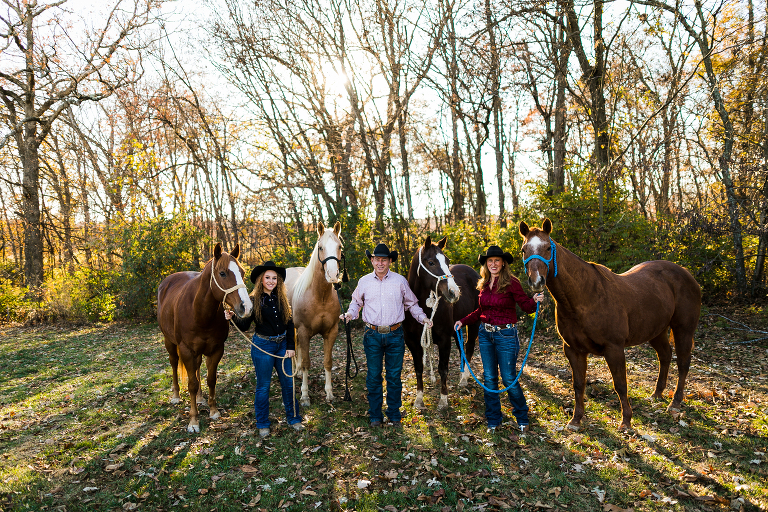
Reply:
x=535, y=279
x=331, y=247
x=242, y=292
x=452, y=286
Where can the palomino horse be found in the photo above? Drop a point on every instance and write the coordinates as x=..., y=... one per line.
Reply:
x=431, y=273
x=315, y=304
x=599, y=312
x=191, y=316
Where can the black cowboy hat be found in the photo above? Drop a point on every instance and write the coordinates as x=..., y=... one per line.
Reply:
x=383, y=251
x=267, y=265
x=495, y=251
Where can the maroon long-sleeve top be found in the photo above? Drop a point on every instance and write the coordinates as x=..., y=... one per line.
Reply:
x=499, y=308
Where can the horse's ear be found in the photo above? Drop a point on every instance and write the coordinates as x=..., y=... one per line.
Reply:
x=441, y=243
x=428, y=242
x=235, y=252
x=217, y=251
x=523, y=228
x=547, y=226
x=320, y=228
x=337, y=228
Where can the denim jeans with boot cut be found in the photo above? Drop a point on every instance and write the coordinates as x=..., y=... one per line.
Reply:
x=390, y=348
x=499, y=350
x=263, y=365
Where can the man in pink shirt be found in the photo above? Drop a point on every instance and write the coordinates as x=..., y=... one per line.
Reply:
x=384, y=296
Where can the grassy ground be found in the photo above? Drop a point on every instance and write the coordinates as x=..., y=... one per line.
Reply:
x=86, y=423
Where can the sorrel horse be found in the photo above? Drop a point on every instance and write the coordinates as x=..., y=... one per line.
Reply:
x=190, y=311
x=431, y=272
x=315, y=304
x=599, y=312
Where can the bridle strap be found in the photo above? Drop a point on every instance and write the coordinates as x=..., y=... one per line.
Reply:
x=444, y=277
x=226, y=291
x=342, y=266
x=552, y=259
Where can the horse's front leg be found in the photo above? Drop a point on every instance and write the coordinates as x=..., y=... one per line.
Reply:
x=200, y=399
x=444, y=350
x=212, y=364
x=194, y=388
x=469, y=350
x=417, y=354
x=328, y=340
x=617, y=363
x=302, y=363
x=173, y=358
x=578, y=362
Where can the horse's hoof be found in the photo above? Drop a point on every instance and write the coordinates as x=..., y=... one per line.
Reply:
x=656, y=396
x=193, y=429
x=305, y=402
x=175, y=400
x=624, y=427
x=462, y=383
x=215, y=416
x=419, y=404
x=572, y=427
x=672, y=409
x=443, y=403
x=202, y=402
x=330, y=398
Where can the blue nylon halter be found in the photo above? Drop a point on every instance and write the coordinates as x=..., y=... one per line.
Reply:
x=552, y=258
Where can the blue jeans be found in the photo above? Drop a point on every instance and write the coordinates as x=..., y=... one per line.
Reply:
x=499, y=350
x=263, y=365
x=390, y=348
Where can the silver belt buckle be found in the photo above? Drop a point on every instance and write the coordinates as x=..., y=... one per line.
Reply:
x=488, y=327
x=383, y=329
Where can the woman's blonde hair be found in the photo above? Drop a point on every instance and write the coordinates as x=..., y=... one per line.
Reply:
x=505, y=277
x=282, y=297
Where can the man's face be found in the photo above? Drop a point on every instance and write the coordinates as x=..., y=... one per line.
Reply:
x=381, y=264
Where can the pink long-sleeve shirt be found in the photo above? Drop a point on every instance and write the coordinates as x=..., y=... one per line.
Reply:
x=384, y=301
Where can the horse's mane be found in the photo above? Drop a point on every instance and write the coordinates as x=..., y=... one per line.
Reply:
x=305, y=279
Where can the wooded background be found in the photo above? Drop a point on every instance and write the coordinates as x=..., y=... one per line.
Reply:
x=133, y=139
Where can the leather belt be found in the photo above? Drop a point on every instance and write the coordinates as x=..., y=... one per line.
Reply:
x=278, y=338
x=384, y=329
x=494, y=328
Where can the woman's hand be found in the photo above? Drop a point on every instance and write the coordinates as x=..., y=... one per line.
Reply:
x=458, y=325
x=290, y=353
x=228, y=314
x=539, y=297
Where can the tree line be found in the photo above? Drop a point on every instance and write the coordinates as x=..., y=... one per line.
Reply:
x=645, y=122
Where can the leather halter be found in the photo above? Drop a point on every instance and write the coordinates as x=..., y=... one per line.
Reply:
x=552, y=258
x=226, y=291
x=344, y=275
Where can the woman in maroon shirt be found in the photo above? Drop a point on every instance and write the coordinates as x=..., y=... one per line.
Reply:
x=498, y=342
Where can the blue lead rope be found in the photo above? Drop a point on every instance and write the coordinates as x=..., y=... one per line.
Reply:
x=528, y=351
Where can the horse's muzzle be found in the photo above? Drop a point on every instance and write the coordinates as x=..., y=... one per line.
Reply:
x=242, y=310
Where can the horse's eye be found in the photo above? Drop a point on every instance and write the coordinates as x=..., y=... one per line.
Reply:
x=431, y=263
x=223, y=273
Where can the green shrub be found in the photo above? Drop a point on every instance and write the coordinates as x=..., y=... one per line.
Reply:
x=153, y=249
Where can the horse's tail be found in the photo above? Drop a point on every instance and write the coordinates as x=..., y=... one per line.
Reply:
x=181, y=369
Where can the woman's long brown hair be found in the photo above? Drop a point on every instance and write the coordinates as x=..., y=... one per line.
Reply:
x=505, y=277
x=282, y=297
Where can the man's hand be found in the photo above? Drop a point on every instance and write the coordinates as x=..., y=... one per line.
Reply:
x=343, y=316
x=428, y=323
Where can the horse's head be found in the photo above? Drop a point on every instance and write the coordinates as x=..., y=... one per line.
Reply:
x=228, y=281
x=433, y=269
x=538, y=254
x=329, y=251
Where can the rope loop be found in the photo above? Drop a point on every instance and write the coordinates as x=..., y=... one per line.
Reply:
x=519, y=374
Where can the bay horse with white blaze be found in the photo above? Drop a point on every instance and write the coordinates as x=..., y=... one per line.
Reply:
x=190, y=313
x=315, y=304
x=599, y=312
x=431, y=273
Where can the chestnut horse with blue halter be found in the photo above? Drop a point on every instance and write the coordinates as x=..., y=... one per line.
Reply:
x=315, y=304
x=190, y=312
x=432, y=278
x=599, y=312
